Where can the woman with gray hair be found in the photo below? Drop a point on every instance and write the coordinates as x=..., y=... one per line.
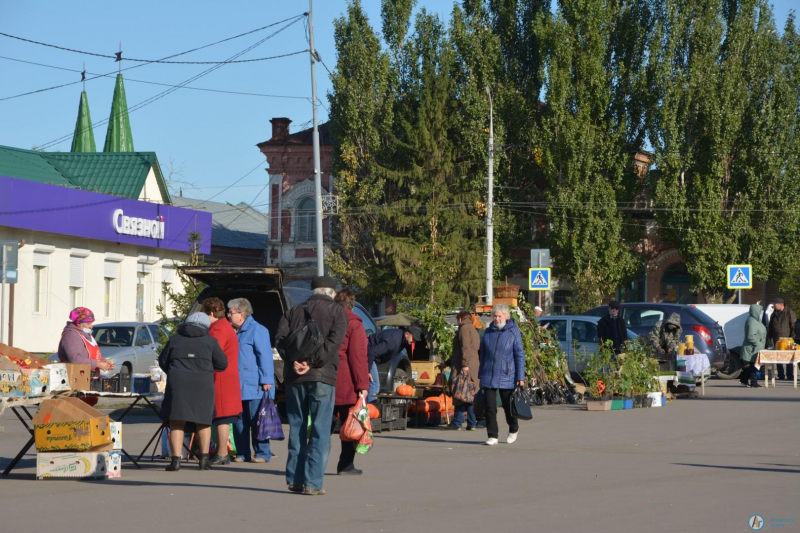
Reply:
x=502, y=368
x=256, y=377
x=190, y=359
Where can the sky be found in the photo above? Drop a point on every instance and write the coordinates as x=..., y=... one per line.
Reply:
x=207, y=138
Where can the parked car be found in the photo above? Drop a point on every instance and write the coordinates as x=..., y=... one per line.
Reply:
x=569, y=329
x=132, y=346
x=709, y=336
x=263, y=287
x=732, y=318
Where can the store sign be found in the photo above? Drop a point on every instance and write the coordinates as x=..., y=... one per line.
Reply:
x=141, y=227
x=35, y=206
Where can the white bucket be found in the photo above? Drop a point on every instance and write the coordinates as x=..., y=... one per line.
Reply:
x=655, y=397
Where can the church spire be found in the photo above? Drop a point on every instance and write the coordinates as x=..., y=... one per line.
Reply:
x=118, y=136
x=83, y=139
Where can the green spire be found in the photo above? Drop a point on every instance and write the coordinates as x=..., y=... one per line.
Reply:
x=83, y=140
x=118, y=136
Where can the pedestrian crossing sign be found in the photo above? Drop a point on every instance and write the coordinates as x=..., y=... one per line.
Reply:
x=740, y=277
x=539, y=279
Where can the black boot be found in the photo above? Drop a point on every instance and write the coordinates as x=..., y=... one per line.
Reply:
x=219, y=460
x=204, y=463
x=174, y=465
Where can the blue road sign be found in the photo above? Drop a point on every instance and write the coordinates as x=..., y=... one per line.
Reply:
x=539, y=279
x=740, y=277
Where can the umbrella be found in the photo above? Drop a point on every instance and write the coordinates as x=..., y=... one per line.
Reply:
x=400, y=320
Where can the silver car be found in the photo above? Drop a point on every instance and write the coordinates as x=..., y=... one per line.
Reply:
x=133, y=346
x=582, y=329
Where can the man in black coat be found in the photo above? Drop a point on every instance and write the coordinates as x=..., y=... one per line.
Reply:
x=310, y=390
x=781, y=325
x=612, y=327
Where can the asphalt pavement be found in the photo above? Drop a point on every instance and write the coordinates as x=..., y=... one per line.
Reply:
x=705, y=464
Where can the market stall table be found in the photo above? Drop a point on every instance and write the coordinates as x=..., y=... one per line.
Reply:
x=698, y=366
x=781, y=357
x=388, y=399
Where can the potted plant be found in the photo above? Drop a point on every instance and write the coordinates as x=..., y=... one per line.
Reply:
x=599, y=379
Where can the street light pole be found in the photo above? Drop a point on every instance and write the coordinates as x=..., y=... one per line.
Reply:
x=490, y=207
x=317, y=170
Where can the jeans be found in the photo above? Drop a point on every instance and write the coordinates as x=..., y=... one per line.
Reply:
x=245, y=430
x=308, y=457
x=375, y=384
x=458, y=416
x=491, y=411
x=348, y=453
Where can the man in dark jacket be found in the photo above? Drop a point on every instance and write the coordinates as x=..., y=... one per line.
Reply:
x=781, y=324
x=612, y=328
x=384, y=346
x=310, y=389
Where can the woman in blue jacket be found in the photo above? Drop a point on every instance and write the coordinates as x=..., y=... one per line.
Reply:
x=502, y=368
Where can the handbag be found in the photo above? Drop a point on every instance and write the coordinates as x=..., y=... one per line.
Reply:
x=479, y=404
x=354, y=427
x=464, y=389
x=268, y=421
x=520, y=408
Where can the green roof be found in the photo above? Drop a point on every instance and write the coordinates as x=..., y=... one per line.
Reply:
x=118, y=174
x=83, y=139
x=118, y=136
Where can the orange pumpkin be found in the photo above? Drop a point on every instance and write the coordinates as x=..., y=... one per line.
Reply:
x=373, y=412
x=405, y=390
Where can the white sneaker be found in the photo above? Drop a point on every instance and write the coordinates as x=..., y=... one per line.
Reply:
x=511, y=438
x=491, y=442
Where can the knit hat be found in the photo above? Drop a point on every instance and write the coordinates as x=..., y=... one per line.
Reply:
x=81, y=315
x=198, y=319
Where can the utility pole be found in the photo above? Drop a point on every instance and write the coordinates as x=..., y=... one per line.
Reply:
x=317, y=170
x=490, y=208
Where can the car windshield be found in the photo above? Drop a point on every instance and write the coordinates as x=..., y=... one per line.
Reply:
x=113, y=336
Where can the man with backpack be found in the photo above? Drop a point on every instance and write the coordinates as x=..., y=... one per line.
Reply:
x=308, y=341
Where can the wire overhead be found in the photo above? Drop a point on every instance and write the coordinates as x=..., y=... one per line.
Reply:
x=118, y=55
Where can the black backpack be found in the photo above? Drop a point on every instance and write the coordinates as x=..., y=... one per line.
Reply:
x=304, y=343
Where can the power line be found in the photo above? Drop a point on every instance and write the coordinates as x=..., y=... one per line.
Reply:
x=153, y=82
x=169, y=91
x=136, y=66
x=118, y=56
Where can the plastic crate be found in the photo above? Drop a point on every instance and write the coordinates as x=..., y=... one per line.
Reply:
x=393, y=417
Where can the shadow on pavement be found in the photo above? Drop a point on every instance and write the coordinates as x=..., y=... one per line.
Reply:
x=448, y=441
x=741, y=399
x=131, y=483
x=751, y=468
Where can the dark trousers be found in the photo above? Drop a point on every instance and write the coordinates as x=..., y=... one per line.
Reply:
x=749, y=373
x=785, y=373
x=348, y=453
x=491, y=411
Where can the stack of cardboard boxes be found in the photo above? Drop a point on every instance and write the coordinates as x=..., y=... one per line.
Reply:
x=75, y=440
x=24, y=375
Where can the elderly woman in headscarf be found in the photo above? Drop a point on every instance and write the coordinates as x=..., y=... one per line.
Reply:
x=190, y=359
x=77, y=344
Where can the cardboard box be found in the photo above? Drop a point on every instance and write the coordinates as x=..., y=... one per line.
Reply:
x=21, y=357
x=424, y=372
x=116, y=435
x=70, y=424
x=114, y=464
x=19, y=381
x=72, y=465
x=79, y=375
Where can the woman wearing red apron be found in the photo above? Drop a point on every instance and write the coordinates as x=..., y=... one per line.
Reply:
x=78, y=346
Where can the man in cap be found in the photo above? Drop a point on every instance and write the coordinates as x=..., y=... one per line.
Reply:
x=310, y=386
x=386, y=345
x=781, y=324
x=612, y=328
x=537, y=312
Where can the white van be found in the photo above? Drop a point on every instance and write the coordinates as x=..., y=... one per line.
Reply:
x=732, y=318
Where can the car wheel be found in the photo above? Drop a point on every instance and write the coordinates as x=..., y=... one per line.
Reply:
x=732, y=367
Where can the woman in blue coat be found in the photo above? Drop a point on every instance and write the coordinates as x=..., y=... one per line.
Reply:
x=502, y=368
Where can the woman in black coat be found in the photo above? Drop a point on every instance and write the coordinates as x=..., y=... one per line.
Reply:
x=190, y=359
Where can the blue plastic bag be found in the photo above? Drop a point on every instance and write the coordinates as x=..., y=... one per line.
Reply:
x=268, y=421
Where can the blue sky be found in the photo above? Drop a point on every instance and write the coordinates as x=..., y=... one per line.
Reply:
x=209, y=136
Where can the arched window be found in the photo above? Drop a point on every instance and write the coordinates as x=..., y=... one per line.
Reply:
x=306, y=228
